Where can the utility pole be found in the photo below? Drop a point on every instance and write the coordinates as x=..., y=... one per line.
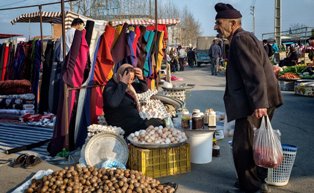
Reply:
x=252, y=8
x=277, y=23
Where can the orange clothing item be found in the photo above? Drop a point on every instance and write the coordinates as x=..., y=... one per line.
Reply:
x=160, y=55
x=104, y=61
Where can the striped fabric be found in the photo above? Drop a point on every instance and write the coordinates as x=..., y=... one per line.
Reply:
x=55, y=17
x=14, y=135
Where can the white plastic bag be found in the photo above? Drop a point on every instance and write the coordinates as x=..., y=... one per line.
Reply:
x=267, y=150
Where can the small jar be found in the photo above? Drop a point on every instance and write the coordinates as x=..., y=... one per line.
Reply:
x=197, y=121
x=212, y=119
x=216, y=149
x=206, y=117
x=196, y=111
x=185, y=119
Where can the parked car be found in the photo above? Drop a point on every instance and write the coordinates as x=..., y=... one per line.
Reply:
x=202, y=57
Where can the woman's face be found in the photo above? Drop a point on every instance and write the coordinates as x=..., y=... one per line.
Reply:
x=132, y=76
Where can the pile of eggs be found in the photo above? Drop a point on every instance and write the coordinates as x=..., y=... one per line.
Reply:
x=158, y=135
x=96, y=129
x=153, y=109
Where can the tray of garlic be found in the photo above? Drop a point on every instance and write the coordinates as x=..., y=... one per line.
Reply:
x=157, y=137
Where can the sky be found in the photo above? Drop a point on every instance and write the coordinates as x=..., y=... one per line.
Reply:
x=293, y=12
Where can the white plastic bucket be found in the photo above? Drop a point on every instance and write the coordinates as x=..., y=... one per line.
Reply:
x=201, y=146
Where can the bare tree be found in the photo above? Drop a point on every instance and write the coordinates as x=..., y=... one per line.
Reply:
x=190, y=28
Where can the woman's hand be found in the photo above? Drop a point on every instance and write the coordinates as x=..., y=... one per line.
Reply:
x=125, y=78
x=139, y=73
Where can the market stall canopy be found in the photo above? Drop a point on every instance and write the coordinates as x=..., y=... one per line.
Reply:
x=55, y=17
x=4, y=36
x=168, y=22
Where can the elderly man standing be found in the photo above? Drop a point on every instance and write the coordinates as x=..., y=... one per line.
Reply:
x=251, y=92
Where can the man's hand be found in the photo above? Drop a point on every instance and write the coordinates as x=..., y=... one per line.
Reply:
x=139, y=73
x=125, y=78
x=259, y=113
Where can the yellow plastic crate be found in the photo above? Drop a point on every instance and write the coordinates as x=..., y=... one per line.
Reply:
x=160, y=162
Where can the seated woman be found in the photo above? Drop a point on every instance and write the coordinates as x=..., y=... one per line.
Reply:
x=121, y=104
x=291, y=59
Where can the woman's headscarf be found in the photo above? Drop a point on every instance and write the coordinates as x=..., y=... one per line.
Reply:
x=130, y=89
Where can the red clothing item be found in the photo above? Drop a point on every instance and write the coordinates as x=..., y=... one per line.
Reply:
x=137, y=36
x=160, y=27
x=104, y=60
x=5, y=61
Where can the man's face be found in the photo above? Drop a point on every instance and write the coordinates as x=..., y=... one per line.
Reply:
x=80, y=26
x=223, y=27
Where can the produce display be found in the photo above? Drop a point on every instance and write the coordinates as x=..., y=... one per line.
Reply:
x=95, y=129
x=158, y=135
x=153, y=109
x=289, y=76
x=91, y=179
x=294, y=69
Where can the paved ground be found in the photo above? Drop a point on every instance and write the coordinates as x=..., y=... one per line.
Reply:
x=294, y=119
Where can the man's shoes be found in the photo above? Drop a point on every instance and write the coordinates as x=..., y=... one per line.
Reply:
x=265, y=188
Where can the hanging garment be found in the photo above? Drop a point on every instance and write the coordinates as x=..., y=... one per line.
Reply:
x=18, y=61
x=36, y=68
x=89, y=31
x=5, y=60
x=117, y=33
x=137, y=32
x=73, y=76
x=130, y=54
x=104, y=59
x=85, y=103
x=160, y=51
x=55, y=79
x=149, y=37
x=118, y=51
x=10, y=71
x=44, y=90
x=141, y=48
x=1, y=58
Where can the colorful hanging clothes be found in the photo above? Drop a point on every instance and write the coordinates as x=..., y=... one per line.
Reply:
x=160, y=27
x=75, y=62
x=36, y=64
x=117, y=33
x=86, y=111
x=137, y=32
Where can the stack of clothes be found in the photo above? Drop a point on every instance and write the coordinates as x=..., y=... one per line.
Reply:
x=16, y=99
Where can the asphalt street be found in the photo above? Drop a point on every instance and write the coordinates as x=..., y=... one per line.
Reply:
x=294, y=119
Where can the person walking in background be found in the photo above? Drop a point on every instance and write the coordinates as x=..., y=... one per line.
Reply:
x=191, y=57
x=276, y=58
x=252, y=91
x=215, y=54
x=182, y=56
